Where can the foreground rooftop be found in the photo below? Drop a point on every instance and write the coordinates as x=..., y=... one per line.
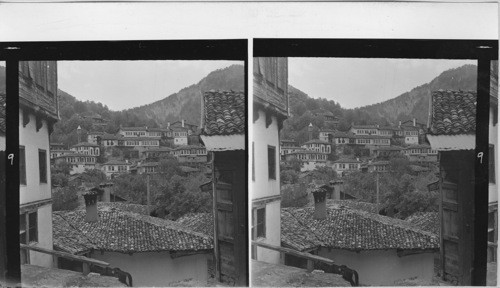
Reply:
x=36, y=276
x=276, y=275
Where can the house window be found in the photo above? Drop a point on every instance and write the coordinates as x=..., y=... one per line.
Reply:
x=22, y=165
x=28, y=230
x=261, y=223
x=271, y=161
x=491, y=162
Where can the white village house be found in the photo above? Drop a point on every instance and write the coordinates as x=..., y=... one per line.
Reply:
x=38, y=111
x=270, y=82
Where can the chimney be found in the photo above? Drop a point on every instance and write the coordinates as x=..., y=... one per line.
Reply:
x=108, y=189
x=182, y=123
x=399, y=123
x=91, y=205
x=414, y=122
x=168, y=125
x=319, y=203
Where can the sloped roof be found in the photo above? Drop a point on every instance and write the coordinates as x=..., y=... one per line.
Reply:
x=370, y=137
x=141, y=128
x=187, y=169
x=187, y=147
x=198, y=222
x=427, y=221
x=357, y=205
x=161, y=149
x=295, y=235
x=85, y=144
x=358, y=230
x=2, y=113
x=388, y=148
x=418, y=146
x=347, y=160
x=317, y=141
x=224, y=113
x=68, y=239
x=364, y=126
x=107, y=136
x=453, y=112
x=126, y=232
x=125, y=207
x=116, y=162
x=307, y=152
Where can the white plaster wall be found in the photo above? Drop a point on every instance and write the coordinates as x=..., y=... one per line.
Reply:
x=181, y=141
x=2, y=143
x=273, y=234
x=44, y=237
x=262, y=185
x=32, y=140
x=157, y=268
x=493, y=139
x=383, y=267
x=411, y=139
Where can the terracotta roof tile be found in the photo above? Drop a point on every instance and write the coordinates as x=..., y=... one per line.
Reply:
x=427, y=221
x=126, y=232
x=198, y=222
x=453, y=112
x=68, y=239
x=224, y=113
x=358, y=230
x=295, y=235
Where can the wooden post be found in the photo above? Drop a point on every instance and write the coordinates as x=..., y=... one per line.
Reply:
x=310, y=265
x=86, y=268
x=148, y=194
x=216, y=228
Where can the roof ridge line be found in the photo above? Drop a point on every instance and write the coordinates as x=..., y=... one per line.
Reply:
x=75, y=229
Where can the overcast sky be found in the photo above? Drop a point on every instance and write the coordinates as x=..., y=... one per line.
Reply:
x=355, y=82
x=127, y=84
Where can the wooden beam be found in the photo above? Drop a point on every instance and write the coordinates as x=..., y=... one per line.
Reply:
x=294, y=252
x=69, y=256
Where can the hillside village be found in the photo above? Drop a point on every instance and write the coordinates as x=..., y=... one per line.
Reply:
x=107, y=209
x=357, y=194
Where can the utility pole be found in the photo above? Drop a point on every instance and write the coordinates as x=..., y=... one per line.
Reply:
x=148, y=194
x=378, y=203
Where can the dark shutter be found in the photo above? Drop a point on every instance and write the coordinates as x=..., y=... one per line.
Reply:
x=271, y=161
x=42, y=161
x=22, y=165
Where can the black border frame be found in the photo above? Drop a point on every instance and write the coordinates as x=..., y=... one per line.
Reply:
x=484, y=51
x=13, y=52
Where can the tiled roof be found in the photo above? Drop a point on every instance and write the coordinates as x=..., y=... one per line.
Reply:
x=2, y=113
x=427, y=221
x=295, y=235
x=85, y=144
x=364, y=126
x=418, y=146
x=125, y=207
x=370, y=137
x=187, y=147
x=358, y=230
x=72, y=154
x=307, y=152
x=316, y=141
x=224, y=113
x=187, y=169
x=389, y=128
x=66, y=238
x=107, y=136
x=116, y=162
x=133, y=128
x=346, y=160
x=126, y=232
x=357, y=205
x=453, y=112
x=198, y=222
x=388, y=148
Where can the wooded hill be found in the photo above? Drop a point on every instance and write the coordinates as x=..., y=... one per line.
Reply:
x=409, y=105
x=185, y=104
